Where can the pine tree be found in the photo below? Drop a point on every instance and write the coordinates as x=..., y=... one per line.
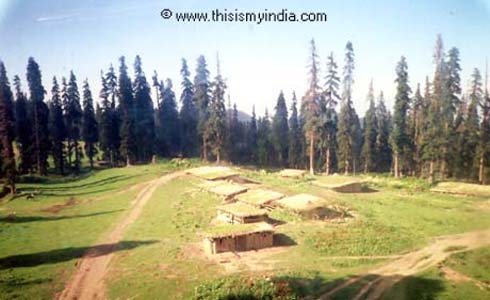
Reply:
x=461, y=140
x=294, y=139
x=57, y=130
x=215, y=125
x=188, y=115
x=144, y=122
x=402, y=144
x=347, y=136
x=23, y=129
x=113, y=116
x=473, y=124
x=310, y=106
x=280, y=131
x=331, y=99
x=40, y=117
x=73, y=119
x=168, y=133
x=418, y=117
x=383, y=146
x=251, y=136
x=450, y=104
x=7, y=130
x=202, y=90
x=484, y=148
x=90, y=132
x=128, y=147
x=369, y=153
x=264, y=143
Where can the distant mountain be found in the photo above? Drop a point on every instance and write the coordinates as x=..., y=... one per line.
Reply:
x=242, y=116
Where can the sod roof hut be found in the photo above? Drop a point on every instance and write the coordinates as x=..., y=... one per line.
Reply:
x=292, y=173
x=240, y=213
x=241, y=237
x=259, y=197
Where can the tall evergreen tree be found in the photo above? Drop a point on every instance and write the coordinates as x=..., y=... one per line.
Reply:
x=57, y=130
x=264, y=142
x=280, y=131
x=23, y=129
x=202, y=90
x=294, y=138
x=215, y=126
x=40, y=117
x=310, y=106
x=484, y=147
x=418, y=117
x=402, y=144
x=383, y=146
x=144, y=122
x=369, y=153
x=90, y=132
x=251, y=135
x=168, y=133
x=473, y=124
x=7, y=130
x=73, y=120
x=331, y=99
x=128, y=146
x=347, y=134
x=188, y=115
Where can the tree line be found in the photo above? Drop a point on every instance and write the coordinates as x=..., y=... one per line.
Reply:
x=436, y=132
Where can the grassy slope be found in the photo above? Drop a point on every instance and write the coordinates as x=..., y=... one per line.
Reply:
x=43, y=246
x=402, y=216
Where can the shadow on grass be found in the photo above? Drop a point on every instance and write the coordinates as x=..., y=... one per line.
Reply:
x=66, y=254
x=27, y=219
x=104, y=181
x=280, y=239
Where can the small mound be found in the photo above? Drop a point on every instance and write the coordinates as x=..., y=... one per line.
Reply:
x=259, y=197
x=300, y=202
x=292, y=173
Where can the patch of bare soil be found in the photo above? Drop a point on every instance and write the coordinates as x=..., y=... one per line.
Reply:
x=455, y=276
x=88, y=280
x=59, y=207
x=412, y=263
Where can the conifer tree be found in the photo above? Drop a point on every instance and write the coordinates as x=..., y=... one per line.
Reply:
x=310, y=106
x=451, y=102
x=484, y=148
x=216, y=123
x=168, y=132
x=294, y=138
x=369, y=153
x=73, y=119
x=264, y=143
x=331, y=99
x=188, y=115
x=280, y=131
x=7, y=130
x=461, y=140
x=348, y=120
x=251, y=136
x=128, y=146
x=418, y=117
x=383, y=146
x=90, y=132
x=39, y=117
x=473, y=124
x=23, y=129
x=202, y=90
x=144, y=122
x=402, y=144
x=57, y=128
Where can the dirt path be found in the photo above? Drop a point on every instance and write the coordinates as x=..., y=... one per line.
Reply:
x=87, y=282
x=412, y=263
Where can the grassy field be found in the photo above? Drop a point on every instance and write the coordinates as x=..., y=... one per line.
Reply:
x=160, y=256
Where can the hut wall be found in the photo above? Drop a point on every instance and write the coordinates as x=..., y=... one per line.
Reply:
x=252, y=241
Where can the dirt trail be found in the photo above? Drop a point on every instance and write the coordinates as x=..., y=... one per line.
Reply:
x=87, y=282
x=412, y=263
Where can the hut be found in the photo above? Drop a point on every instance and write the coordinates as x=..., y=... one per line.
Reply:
x=241, y=237
x=300, y=202
x=341, y=184
x=223, y=188
x=212, y=172
x=261, y=198
x=240, y=213
x=292, y=173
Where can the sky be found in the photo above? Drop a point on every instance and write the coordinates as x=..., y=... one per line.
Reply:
x=257, y=60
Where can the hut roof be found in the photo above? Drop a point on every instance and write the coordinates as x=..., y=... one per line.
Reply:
x=212, y=172
x=227, y=189
x=242, y=210
x=228, y=230
x=300, y=202
x=259, y=196
x=335, y=181
x=292, y=173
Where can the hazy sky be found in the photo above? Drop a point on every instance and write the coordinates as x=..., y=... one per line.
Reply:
x=257, y=60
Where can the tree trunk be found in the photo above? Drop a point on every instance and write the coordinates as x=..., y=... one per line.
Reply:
x=36, y=135
x=327, y=167
x=481, y=172
x=218, y=156
x=396, y=169
x=431, y=171
x=204, y=150
x=128, y=161
x=111, y=153
x=312, y=152
x=346, y=172
x=354, y=166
